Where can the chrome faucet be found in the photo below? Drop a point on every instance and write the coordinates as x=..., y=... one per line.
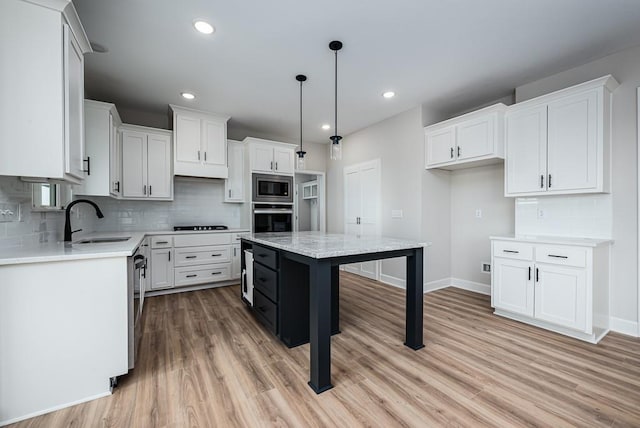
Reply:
x=67, y=218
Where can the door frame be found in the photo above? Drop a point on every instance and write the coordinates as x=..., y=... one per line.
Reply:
x=322, y=196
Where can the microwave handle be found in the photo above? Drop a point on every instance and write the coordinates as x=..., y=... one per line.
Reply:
x=273, y=211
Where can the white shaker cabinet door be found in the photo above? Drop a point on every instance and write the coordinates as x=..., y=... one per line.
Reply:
x=234, y=185
x=159, y=166
x=573, y=143
x=476, y=137
x=162, y=275
x=262, y=157
x=561, y=295
x=513, y=286
x=134, y=164
x=526, y=157
x=283, y=160
x=74, y=105
x=214, y=143
x=188, y=137
x=115, y=158
x=440, y=146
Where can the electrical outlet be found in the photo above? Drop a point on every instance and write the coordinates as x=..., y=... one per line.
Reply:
x=478, y=213
x=485, y=268
x=9, y=212
x=397, y=214
x=541, y=214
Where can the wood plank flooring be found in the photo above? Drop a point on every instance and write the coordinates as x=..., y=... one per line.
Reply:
x=206, y=362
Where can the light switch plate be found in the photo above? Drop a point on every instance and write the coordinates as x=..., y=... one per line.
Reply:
x=478, y=213
x=9, y=212
x=397, y=214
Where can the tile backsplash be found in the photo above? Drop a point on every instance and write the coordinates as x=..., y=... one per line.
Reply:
x=33, y=227
x=197, y=201
x=576, y=216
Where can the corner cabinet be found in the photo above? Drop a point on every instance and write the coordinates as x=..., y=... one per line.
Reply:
x=146, y=163
x=200, y=143
x=270, y=157
x=234, y=184
x=103, y=150
x=560, y=143
x=43, y=85
x=559, y=285
x=467, y=141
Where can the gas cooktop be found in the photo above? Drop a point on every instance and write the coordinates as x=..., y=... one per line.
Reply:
x=215, y=227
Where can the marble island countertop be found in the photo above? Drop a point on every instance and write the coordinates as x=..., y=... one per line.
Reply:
x=63, y=251
x=320, y=245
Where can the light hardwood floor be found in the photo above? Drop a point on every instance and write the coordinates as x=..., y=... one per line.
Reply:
x=206, y=362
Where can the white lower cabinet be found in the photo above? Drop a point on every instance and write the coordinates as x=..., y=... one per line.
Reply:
x=235, y=262
x=161, y=268
x=557, y=286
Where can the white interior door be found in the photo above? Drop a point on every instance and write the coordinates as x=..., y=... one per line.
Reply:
x=362, y=208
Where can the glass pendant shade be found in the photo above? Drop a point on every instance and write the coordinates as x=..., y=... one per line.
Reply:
x=300, y=163
x=336, y=151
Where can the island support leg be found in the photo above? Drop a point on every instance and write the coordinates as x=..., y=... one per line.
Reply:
x=320, y=325
x=413, y=338
x=335, y=299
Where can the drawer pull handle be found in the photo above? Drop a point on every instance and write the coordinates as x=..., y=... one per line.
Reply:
x=262, y=309
x=262, y=279
x=511, y=251
x=557, y=257
x=192, y=276
x=216, y=255
x=529, y=273
x=162, y=242
x=537, y=275
x=262, y=255
x=216, y=273
x=190, y=257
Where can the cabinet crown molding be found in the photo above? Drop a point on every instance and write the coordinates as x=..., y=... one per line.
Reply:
x=140, y=128
x=105, y=106
x=254, y=140
x=499, y=107
x=188, y=110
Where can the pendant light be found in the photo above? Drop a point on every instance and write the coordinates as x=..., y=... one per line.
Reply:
x=336, y=147
x=301, y=78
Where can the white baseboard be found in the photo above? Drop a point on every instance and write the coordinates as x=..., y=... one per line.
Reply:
x=619, y=325
x=393, y=281
x=477, y=287
x=438, y=284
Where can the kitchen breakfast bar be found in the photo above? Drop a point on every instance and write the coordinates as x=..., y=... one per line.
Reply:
x=296, y=293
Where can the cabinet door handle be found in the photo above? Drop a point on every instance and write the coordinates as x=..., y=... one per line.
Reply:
x=88, y=161
x=149, y=189
x=229, y=192
x=192, y=276
x=169, y=255
x=198, y=154
x=558, y=257
x=549, y=181
x=234, y=252
x=190, y=257
x=205, y=156
x=511, y=251
x=116, y=186
x=458, y=151
x=162, y=242
x=537, y=275
x=276, y=166
x=272, y=165
x=529, y=273
x=144, y=189
x=451, y=152
x=541, y=181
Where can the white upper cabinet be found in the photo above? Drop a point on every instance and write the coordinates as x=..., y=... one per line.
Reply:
x=466, y=141
x=271, y=157
x=560, y=143
x=234, y=185
x=44, y=87
x=146, y=163
x=102, y=173
x=200, y=143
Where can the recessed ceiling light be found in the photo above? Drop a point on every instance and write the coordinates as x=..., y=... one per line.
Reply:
x=326, y=126
x=203, y=26
x=187, y=95
x=389, y=94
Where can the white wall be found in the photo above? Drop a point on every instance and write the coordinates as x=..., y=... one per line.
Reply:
x=625, y=67
x=423, y=196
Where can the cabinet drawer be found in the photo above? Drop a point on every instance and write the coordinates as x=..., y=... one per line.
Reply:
x=201, y=239
x=190, y=256
x=161, y=241
x=265, y=280
x=201, y=274
x=265, y=256
x=513, y=250
x=266, y=311
x=561, y=255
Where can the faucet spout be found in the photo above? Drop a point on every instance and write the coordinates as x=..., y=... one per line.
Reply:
x=67, y=216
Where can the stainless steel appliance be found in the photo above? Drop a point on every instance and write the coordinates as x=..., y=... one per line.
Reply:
x=137, y=271
x=272, y=218
x=272, y=189
x=214, y=227
x=247, y=277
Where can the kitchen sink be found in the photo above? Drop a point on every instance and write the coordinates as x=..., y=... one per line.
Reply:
x=102, y=240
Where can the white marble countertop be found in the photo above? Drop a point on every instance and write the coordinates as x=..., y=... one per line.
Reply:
x=320, y=245
x=61, y=251
x=562, y=240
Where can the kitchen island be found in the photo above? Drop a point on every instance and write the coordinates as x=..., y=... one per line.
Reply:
x=290, y=266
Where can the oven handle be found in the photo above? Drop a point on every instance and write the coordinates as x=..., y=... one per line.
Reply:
x=273, y=211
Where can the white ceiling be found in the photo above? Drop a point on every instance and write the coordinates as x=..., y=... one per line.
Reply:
x=446, y=55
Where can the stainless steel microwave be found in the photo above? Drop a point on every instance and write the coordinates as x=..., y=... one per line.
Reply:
x=272, y=189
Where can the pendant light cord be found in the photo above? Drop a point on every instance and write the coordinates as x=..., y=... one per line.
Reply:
x=301, y=116
x=335, y=128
